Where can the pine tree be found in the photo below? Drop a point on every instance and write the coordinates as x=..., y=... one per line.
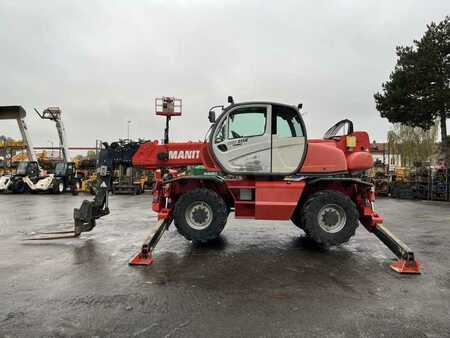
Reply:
x=417, y=93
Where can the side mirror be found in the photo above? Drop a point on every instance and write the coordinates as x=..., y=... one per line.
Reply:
x=230, y=100
x=212, y=116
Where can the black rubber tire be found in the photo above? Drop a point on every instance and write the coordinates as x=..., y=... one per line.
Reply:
x=296, y=218
x=309, y=217
x=75, y=189
x=55, y=188
x=219, y=217
x=18, y=187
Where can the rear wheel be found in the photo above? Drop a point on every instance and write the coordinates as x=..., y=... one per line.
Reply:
x=58, y=187
x=200, y=215
x=329, y=218
x=297, y=219
x=76, y=187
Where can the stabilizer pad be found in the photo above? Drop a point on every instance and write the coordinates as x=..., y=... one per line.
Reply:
x=140, y=259
x=403, y=266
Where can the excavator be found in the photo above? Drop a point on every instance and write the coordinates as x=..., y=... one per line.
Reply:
x=259, y=164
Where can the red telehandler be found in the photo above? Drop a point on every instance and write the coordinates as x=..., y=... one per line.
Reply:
x=259, y=164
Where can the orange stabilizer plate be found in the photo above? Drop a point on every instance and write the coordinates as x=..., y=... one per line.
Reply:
x=140, y=259
x=403, y=266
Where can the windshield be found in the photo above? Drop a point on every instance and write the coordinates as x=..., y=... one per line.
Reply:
x=60, y=169
x=342, y=128
x=22, y=168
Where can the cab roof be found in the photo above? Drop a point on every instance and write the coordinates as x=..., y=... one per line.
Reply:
x=260, y=102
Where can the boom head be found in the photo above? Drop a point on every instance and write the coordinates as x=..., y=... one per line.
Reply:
x=12, y=112
x=51, y=113
x=18, y=113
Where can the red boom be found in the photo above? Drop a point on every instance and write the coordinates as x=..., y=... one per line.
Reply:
x=323, y=156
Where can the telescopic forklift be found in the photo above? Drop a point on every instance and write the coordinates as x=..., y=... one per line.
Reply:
x=65, y=177
x=259, y=164
x=126, y=179
x=116, y=159
x=15, y=183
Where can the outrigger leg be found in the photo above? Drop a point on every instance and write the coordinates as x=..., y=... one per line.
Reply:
x=373, y=222
x=406, y=262
x=145, y=257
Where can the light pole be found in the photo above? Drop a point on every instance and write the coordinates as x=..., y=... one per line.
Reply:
x=128, y=130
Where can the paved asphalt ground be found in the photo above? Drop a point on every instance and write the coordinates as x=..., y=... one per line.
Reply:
x=259, y=279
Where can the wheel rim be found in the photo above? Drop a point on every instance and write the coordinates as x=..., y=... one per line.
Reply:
x=61, y=187
x=199, y=215
x=332, y=218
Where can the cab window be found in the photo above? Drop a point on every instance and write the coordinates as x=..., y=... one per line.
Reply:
x=22, y=168
x=247, y=122
x=220, y=137
x=60, y=169
x=286, y=122
x=33, y=169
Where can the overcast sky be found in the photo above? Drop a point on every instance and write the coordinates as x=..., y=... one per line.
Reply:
x=104, y=62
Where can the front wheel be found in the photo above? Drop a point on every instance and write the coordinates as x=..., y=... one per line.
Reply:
x=18, y=187
x=200, y=215
x=329, y=217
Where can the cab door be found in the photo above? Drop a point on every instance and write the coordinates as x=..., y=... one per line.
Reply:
x=70, y=169
x=33, y=170
x=241, y=143
x=288, y=140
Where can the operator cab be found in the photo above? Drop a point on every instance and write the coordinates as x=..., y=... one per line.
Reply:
x=259, y=138
x=28, y=168
x=63, y=169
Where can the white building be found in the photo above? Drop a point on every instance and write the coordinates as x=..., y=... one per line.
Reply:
x=382, y=155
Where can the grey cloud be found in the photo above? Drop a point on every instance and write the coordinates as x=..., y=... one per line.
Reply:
x=104, y=62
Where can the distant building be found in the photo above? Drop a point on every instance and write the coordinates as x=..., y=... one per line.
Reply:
x=9, y=148
x=382, y=155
